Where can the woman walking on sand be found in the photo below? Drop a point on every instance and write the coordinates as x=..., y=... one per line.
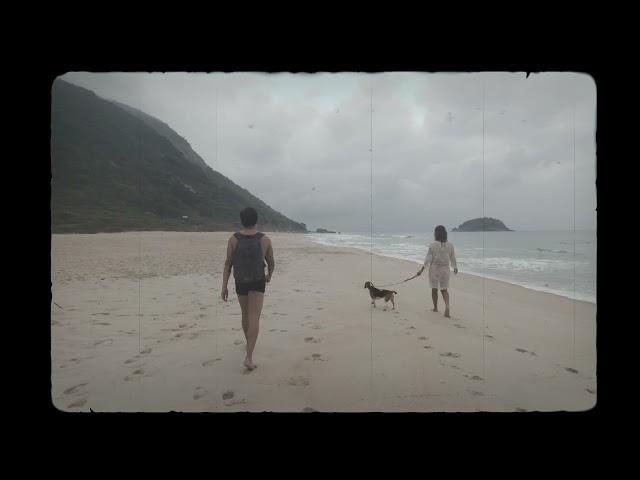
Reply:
x=439, y=258
x=247, y=251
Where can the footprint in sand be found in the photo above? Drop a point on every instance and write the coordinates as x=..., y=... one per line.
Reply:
x=319, y=308
x=476, y=393
x=71, y=390
x=476, y=377
x=521, y=350
x=178, y=335
x=146, y=350
x=299, y=381
x=134, y=374
x=591, y=391
x=199, y=393
x=101, y=323
x=316, y=357
x=572, y=370
x=411, y=328
x=238, y=342
x=273, y=330
x=311, y=340
x=457, y=325
x=230, y=403
x=208, y=363
x=77, y=403
x=283, y=330
x=100, y=342
x=450, y=354
x=230, y=399
x=490, y=337
x=131, y=360
x=422, y=338
x=428, y=347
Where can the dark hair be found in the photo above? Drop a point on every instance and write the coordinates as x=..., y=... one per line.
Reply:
x=440, y=233
x=248, y=217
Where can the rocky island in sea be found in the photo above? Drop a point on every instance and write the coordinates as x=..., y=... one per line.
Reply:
x=484, y=224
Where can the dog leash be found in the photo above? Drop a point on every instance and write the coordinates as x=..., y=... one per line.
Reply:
x=390, y=284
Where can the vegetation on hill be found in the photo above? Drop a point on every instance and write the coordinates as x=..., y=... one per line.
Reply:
x=115, y=168
x=485, y=224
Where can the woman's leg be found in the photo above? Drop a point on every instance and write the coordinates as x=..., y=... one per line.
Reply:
x=243, y=300
x=445, y=295
x=255, y=309
x=434, y=297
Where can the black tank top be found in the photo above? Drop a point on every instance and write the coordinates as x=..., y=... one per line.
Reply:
x=248, y=261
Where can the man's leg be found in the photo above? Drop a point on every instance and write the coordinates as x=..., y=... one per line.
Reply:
x=243, y=300
x=434, y=297
x=255, y=309
x=445, y=295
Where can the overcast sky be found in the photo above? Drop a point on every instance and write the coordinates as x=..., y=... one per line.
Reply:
x=300, y=142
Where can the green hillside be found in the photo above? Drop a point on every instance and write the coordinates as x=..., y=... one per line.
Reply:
x=115, y=168
x=485, y=224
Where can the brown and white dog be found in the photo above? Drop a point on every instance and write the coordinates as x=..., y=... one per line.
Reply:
x=377, y=293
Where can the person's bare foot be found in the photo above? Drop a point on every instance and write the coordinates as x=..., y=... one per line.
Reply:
x=249, y=364
x=446, y=313
x=434, y=309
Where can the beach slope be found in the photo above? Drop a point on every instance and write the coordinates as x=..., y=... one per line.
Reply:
x=138, y=325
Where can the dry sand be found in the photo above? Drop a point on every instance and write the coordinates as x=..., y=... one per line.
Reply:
x=138, y=325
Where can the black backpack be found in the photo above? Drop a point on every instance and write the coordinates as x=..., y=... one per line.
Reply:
x=248, y=261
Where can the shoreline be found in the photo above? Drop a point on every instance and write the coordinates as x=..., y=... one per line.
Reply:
x=534, y=288
x=488, y=277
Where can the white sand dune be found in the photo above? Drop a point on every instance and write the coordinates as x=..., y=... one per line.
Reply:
x=139, y=326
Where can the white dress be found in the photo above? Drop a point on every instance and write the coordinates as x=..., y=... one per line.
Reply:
x=439, y=258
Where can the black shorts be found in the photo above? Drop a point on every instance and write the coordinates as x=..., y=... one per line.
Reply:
x=244, y=288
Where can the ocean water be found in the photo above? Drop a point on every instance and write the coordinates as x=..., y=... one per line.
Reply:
x=560, y=262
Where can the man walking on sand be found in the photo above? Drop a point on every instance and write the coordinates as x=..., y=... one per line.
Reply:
x=247, y=251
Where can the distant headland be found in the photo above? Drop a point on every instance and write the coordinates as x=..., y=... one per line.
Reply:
x=322, y=230
x=484, y=224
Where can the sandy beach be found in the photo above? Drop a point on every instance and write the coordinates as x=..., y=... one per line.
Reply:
x=138, y=325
